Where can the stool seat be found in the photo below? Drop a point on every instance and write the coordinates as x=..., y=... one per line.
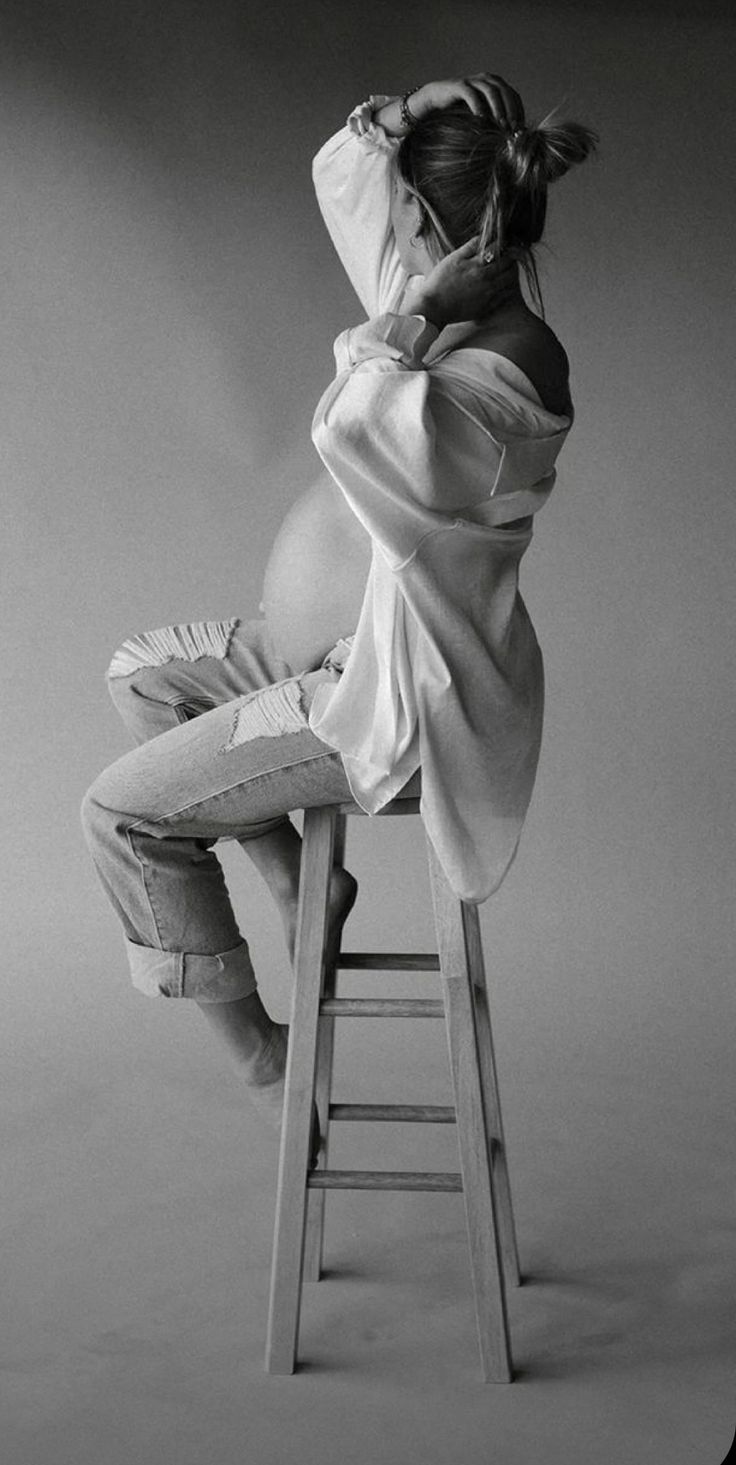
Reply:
x=476, y=1113
x=399, y=805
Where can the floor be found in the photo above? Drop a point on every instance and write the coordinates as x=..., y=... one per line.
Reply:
x=139, y=1201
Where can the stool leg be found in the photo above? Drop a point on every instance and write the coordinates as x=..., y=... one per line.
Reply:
x=291, y=1195
x=314, y=1241
x=480, y=1209
x=491, y=1096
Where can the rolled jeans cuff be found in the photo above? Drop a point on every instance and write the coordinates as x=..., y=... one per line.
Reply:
x=224, y=977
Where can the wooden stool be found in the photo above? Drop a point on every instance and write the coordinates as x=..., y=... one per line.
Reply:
x=297, y=1254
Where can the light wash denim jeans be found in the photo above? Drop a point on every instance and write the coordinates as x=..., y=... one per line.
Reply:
x=225, y=752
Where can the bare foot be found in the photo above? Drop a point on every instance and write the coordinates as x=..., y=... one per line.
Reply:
x=343, y=893
x=256, y=1043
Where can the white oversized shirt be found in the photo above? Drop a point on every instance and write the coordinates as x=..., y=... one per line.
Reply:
x=435, y=446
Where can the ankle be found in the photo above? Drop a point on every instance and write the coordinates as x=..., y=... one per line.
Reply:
x=267, y=1065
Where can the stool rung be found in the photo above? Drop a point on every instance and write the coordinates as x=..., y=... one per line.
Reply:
x=383, y=1180
x=388, y=961
x=472, y=1104
x=381, y=1007
x=408, y=1113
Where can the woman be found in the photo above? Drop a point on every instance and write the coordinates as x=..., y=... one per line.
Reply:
x=394, y=636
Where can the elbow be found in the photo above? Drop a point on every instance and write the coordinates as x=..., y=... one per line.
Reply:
x=327, y=439
x=323, y=162
x=336, y=433
x=322, y=435
x=317, y=175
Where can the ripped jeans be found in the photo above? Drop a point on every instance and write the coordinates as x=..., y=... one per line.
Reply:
x=225, y=752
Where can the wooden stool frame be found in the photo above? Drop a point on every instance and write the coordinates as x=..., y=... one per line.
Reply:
x=483, y=1178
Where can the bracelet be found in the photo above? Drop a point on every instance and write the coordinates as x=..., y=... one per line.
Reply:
x=408, y=120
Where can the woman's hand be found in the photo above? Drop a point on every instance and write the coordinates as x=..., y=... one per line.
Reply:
x=463, y=287
x=484, y=94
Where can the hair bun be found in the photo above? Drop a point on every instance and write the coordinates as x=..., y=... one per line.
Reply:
x=559, y=145
x=525, y=151
x=476, y=179
x=548, y=150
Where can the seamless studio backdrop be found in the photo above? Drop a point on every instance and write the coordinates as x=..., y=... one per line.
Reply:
x=169, y=302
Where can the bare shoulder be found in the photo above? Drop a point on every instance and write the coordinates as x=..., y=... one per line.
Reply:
x=532, y=345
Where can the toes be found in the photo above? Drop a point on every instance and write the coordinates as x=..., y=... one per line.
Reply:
x=315, y=1139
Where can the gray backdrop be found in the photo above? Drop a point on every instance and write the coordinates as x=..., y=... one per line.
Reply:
x=169, y=302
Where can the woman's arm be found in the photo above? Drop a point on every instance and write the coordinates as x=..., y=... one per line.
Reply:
x=411, y=447
x=353, y=179
x=463, y=287
x=354, y=175
x=482, y=93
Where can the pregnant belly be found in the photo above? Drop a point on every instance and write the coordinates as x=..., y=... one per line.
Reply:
x=315, y=577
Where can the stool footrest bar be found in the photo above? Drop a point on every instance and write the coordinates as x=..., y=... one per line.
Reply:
x=381, y=1007
x=388, y=961
x=408, y=1113
x=383, y=1180
x=472, y=1104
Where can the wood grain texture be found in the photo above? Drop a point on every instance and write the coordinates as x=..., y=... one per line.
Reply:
x=491, y=1096
x=291, y=1195
x=480, y=1208
x=382, y=1007
x=396, y=1113
x=314, y=1239
x=389, y=961
x=385, y=1180
x=397, y=806
x=483, y=1178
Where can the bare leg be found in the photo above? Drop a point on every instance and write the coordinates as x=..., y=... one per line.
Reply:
x=253, y=1039
x=258, y=1044
x=277, y=857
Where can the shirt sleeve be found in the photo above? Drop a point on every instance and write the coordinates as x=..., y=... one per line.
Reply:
x=353, y=177
x=408, y=448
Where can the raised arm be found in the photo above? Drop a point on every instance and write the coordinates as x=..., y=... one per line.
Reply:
x=353, y=178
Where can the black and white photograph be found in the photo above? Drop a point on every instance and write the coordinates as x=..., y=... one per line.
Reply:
x=367, y=411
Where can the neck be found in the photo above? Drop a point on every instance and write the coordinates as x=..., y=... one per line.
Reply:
x=511, y=306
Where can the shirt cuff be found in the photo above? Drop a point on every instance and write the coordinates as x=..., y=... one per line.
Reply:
x=405, y=339
x=337, y=659
x=363, y=126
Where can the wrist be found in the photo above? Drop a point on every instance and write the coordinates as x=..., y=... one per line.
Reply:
x=420, y=102
x=389, y=115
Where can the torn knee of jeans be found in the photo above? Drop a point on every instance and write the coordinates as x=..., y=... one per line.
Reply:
x=270, y=713
x=173, y=643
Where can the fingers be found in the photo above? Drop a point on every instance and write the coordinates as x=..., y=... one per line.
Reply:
x=468, y=93
x=504, y=104
x=489, y=257
x=494, y=266
x=484, y=94
x=464, y=251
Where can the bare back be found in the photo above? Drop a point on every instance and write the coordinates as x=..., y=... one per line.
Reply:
x=521, y=336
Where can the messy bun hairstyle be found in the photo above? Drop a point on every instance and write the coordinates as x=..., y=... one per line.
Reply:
x=474, y=177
